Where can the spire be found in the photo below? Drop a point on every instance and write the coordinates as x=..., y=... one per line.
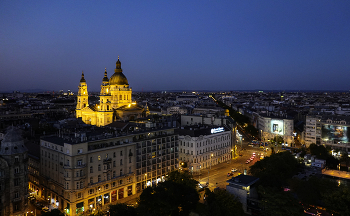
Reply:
x=105, y=78
x=118, y=67
x=82, y=77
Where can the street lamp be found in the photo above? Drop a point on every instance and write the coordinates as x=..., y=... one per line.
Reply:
x=145, y=179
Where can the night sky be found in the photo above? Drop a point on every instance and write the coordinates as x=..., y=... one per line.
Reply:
x=176, y=45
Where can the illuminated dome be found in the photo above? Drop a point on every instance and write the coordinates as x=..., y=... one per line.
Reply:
x=118, y=78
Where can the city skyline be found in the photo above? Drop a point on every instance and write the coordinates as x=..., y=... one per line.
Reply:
x=180, y=45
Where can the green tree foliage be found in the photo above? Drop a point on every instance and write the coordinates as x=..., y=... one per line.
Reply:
x=274, y=171
x=122, y=209
x=53, y=212
x=182, y=178
x=338, y=202
x=310, y=192
x=276, y=202
x=252, y=130
x=319, y=151
x=278, y=140
x=220, y=202
x=177, y=196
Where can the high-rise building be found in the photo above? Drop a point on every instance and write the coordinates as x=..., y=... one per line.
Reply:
x=13, y=174
x=115, y=100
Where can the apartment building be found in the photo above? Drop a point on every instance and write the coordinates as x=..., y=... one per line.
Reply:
x=202, y=146
x=271, y=126
x=312, y=130
x=328, y=130
x=13, y=174
x=87, y=170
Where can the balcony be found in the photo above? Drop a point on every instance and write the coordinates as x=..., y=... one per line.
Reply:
x=106, y=161
x=17, y=199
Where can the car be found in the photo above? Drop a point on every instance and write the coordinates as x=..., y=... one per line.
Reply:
x=251, y=158
x=233, y=170
x=240, y=154
x=45, y=209
x=253, y=153
x=229, y=174
x=248, y=161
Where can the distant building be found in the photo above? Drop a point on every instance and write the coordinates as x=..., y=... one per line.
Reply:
x=115, y=100
x=13, y=174
x=189, y=98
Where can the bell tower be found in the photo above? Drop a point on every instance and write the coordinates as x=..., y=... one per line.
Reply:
x=105, y=94
x=83, y=96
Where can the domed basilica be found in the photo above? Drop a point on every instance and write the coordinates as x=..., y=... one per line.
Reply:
x=115, y=101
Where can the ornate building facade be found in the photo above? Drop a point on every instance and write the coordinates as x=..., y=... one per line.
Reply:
x=13, y=174
x=115, y=100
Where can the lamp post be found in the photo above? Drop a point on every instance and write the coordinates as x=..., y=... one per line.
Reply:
x=145, y=179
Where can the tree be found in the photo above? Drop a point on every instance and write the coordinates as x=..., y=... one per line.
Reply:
x=310, y=192
x=274, y=171
x=338, y=201
x=220, y=202
x=276, y=202
x=278, y=139
x=252, y=130
x=168, y=198
x=182, y=178
x=122, y=209
x=53, y=212
x=319, y=151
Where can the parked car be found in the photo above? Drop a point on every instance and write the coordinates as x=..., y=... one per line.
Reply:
x=45, y=209
x=229, y=174
x=233, y=170
x=248, y=161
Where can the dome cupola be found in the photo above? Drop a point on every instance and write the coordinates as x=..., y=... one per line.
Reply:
x=82, y=80
x=118, y=78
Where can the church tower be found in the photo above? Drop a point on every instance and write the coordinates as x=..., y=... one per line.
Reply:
x=83, y=96
x=105, y=111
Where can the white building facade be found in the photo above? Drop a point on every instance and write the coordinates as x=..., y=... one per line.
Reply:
x=202, y=147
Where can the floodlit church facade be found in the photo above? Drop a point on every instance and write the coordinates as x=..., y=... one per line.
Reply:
x=115, y=101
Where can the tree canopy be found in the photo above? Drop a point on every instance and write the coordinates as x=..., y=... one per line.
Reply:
x=274, y=171
x=276, y=202
x=177, y=196
x=53, y=212
x=220, y=202
x=122, y=209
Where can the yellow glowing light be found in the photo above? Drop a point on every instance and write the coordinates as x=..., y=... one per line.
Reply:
x=133, y=103
x=98, y=107
x=107, y=90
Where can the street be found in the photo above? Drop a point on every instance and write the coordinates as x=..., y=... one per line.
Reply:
x=217, y=175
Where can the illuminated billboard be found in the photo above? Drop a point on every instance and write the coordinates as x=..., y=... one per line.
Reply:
x=277, y=126
x=335, y=133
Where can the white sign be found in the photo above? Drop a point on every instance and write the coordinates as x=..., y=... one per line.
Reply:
x=217, y=130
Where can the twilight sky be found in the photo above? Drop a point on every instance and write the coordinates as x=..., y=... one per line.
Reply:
x=176, y=45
